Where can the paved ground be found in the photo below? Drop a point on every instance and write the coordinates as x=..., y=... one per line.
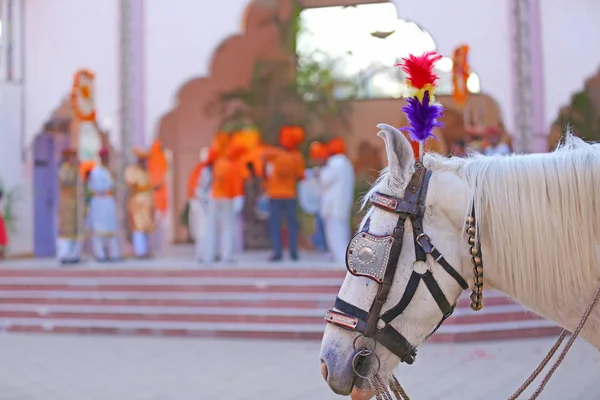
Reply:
x=182, y=257
x=54, y=367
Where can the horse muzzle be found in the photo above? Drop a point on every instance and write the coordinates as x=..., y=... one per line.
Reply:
x=348, y=376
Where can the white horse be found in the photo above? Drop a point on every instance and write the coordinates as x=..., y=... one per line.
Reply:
x=538, y=217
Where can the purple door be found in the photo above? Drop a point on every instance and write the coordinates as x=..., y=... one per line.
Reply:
x=45, y=192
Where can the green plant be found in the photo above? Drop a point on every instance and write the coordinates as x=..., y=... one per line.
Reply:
x=583, y=116
x=10, y=196
x=291, y=90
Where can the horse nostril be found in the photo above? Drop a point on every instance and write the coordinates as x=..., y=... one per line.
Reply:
x=323, y=370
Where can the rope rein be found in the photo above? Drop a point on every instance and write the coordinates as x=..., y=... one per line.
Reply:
x=382, y=393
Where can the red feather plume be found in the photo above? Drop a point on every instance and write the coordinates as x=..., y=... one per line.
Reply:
x=419, y=69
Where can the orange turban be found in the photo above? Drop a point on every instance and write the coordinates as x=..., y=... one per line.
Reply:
x=318, y=151
x=213, y=154
x=290, y=137
x=235, y=151
x=85, y=168
x=221, y=141
x=249, y=138
x=337, y=146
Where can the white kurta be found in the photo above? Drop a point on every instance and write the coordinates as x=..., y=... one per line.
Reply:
x=103, y=207
x=102, y=218
x=501, y=149
x=202, y=200
x=337, y=182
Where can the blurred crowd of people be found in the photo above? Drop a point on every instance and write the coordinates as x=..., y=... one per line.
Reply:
x=87, y=207
x=489, y=142
x=219, y=190
x=237, y=172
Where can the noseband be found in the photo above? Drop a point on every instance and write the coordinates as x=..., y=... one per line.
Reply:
x=377, y=257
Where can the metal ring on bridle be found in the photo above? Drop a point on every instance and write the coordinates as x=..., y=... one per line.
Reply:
x=364, y=347
x=426, y=262
x=365, y=353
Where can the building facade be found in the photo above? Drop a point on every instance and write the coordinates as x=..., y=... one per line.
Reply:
x=164, y=44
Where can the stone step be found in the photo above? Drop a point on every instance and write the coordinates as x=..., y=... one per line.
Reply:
x=452, y=333
x=255, y=288
x=339, y=273
x=281, y=303
x=220, y=300
x=222, y=314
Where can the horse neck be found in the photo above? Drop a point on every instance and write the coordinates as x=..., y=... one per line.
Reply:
x=566, y=313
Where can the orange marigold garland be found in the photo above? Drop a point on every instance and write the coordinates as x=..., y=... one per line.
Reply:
x=82, y=92
x=460, y=74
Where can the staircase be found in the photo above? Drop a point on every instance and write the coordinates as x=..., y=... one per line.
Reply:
x=286, y=303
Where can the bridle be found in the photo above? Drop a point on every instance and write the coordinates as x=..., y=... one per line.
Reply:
x=377, y=258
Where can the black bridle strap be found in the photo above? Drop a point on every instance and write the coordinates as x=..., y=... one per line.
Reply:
x=350, y=309
x=411, y=288
x=448, y=268
x=423, y=242
x=390, y=338
x=437, y=293
x=388, y=278
x=393, y=340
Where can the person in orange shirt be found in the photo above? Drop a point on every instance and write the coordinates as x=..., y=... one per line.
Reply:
x=284, y=168
x=227, y=184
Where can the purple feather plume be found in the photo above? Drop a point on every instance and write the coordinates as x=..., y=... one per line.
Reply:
x=422, y=118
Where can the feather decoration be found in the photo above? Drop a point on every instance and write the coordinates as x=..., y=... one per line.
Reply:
x=419, y=70
x=422, y=117
x=421, y=109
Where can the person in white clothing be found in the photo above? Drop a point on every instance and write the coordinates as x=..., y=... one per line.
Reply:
x=496, y=147
x=337, y=181
x=226, y=184
x=202, y=197
x=103, y=211
x=194, y=203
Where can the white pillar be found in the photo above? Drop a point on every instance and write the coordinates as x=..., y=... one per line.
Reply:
x=132, y=75
x=528, y=73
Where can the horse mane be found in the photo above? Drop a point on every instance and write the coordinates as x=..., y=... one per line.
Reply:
x=541, y=212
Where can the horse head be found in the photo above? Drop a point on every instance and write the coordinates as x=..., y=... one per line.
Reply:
x=411, y=307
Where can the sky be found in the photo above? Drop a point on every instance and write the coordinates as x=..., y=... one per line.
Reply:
x=351, y=32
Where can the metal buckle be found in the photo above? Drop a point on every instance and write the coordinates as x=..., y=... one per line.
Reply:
x=425, y=243
x=342, y=320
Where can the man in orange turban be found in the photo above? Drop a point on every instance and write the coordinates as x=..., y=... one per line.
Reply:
x=284, y=169
x=337, y=183
x=227, y=185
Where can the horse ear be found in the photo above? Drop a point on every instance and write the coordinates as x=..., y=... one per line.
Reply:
x=399, y=154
